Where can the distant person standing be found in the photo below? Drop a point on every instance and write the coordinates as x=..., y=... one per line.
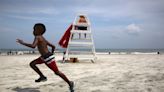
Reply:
x=46, y=57
x=158, y=52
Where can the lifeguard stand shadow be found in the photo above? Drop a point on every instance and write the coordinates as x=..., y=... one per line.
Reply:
x=60, y=61
x=19, y=89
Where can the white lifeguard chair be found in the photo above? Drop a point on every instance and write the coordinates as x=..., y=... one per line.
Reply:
x=81, y=44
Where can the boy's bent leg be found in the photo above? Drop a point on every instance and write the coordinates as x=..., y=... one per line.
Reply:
x=70, y=83
x=62, y=76
x=36, y=69
x=52, y=65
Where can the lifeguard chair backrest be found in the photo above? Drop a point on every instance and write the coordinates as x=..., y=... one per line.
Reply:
x=85, y=24
x=76, y=21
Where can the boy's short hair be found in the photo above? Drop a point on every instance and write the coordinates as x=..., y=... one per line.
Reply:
x=82, y=16
x=43, y=27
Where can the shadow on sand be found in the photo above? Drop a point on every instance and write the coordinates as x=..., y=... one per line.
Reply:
x=18, y=89
x=60, y=61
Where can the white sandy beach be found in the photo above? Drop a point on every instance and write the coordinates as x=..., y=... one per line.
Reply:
x=110, y=73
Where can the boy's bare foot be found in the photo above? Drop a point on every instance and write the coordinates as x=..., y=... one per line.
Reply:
x=41, y=79
x=71, y=86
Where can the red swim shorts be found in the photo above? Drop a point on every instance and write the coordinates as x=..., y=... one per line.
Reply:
x=51, y=63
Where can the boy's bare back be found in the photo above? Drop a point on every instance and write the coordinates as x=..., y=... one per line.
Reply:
x=42, y=45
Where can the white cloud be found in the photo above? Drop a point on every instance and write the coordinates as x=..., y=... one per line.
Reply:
x=133, y=29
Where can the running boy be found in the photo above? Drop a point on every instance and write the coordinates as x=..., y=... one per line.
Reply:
x=46, y=57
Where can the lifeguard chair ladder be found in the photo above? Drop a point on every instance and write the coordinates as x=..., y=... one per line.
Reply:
x=81, y=48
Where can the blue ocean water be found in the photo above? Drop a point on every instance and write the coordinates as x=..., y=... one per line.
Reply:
x=131, y=50
x=97, y=50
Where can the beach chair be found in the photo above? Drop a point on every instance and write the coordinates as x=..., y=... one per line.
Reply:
x=81, y=44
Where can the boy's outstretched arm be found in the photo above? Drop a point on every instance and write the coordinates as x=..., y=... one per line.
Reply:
x=33, y=45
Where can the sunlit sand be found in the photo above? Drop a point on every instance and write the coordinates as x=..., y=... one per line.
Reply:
x=110, y=73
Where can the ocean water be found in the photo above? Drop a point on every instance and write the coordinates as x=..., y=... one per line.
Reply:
x=109, y=51
x=131, y=50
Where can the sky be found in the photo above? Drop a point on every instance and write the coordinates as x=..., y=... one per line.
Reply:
x=118, y=24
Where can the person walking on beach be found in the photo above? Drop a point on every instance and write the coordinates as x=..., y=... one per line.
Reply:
x=46, y=57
